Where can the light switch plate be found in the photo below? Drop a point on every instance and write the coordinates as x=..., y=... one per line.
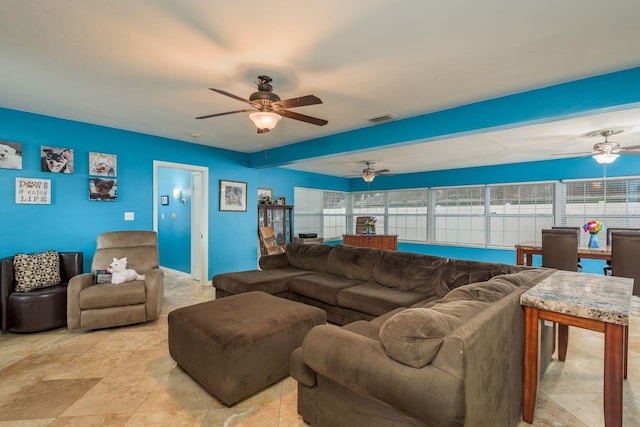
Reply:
x=128, y=216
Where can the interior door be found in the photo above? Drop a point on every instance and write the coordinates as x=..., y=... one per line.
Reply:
x=196, y=225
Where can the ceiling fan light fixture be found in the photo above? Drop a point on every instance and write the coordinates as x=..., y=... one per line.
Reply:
x=605, y=158
x=265, y=119
x=368, y=177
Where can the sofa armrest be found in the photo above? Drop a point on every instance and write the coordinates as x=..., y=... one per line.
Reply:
x=154, y=284
x=300, y=371
x=6, y=287
x=271, y=262
x=70, y=265
x=361, y=364
x=76, y=285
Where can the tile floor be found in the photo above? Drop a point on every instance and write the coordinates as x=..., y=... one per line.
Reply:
x=125, y=377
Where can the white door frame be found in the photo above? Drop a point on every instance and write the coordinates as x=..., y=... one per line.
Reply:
x=204, y=211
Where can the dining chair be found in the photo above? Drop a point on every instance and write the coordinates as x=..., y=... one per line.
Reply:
x=577, y=230
x=625, y=247
x=560, y=249
x=607, y=267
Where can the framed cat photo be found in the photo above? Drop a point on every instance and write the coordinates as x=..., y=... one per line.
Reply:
x=103, y=189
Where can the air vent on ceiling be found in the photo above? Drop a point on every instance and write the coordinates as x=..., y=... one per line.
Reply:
x=382, y=117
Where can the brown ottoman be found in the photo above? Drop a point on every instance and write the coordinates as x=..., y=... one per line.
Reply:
x=239, y=345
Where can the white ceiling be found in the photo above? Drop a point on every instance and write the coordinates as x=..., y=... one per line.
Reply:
x=145, y=66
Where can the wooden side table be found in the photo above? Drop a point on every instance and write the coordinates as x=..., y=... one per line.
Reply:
x=595, y=302
x=379, y=241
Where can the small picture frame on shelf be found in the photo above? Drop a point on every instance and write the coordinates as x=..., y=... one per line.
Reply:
x=164, y=200
x=265, y=195
x=282, y=200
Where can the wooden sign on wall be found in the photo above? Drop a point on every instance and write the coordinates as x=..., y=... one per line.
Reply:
x=33, y=191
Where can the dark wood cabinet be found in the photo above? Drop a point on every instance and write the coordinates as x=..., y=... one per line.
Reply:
x=379, y=241
x=279, y=218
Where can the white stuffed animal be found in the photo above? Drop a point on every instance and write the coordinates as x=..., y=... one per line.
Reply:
x=120, y=273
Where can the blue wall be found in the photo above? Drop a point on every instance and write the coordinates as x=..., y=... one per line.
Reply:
x=174, y=220
x=72, y=222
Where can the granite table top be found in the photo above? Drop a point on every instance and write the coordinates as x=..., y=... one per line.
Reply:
x=590, y=296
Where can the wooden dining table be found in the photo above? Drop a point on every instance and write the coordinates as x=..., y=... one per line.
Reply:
x=525, y=252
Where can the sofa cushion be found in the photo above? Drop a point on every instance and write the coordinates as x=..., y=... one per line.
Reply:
x=456, y=273
x=376, y=299
x=414, y=336
x=269, y=281
x=101, y=296
x=321, y=286
x=351, y=262
x=308, y=257
x=36, y=271
x=408, y=271
x=482, y=291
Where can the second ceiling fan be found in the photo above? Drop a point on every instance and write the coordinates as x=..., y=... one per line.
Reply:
x=606, y=152
x=267, y=107
x=368, y=173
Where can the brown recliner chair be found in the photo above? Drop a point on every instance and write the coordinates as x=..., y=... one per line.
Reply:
x=96, y=306
x=560, y=249
x=39, y=309
x=625, y=246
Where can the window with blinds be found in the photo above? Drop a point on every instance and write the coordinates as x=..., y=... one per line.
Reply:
x=407, y=214
x=518, y=212
x=460, y=215
x=369, y=204
x=615, y=202
x=321, y=212
x=499, y=215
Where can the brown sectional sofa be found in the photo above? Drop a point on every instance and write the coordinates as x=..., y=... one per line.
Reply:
x=427, y=340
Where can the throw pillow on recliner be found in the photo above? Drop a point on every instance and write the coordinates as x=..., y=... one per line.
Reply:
x=36, y=271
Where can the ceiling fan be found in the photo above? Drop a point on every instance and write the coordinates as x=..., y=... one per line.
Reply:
x=368, y=174
x=607, y=151
x=267, y=108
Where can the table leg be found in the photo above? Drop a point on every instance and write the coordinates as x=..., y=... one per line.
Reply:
x=614, y=355
x=563, y=341
x=531, y=337
x=626, y=350
x=519, y=256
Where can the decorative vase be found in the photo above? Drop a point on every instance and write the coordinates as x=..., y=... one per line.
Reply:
x=593, y=242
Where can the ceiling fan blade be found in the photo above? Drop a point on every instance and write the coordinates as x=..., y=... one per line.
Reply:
x=581, y=153
x=382, y=171
x=298, y=102
x=302, y=117
x=230, y=95
x=223, y=114
x=633, y=147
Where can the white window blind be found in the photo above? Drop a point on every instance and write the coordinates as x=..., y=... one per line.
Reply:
x=460, y=215
x=407, y=214
x=518, y=212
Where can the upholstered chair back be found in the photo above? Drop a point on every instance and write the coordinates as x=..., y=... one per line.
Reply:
x=560, y=249
x=625, y=247
x=140, y=248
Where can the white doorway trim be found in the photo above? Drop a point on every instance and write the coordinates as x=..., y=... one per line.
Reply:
x=204, y=211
